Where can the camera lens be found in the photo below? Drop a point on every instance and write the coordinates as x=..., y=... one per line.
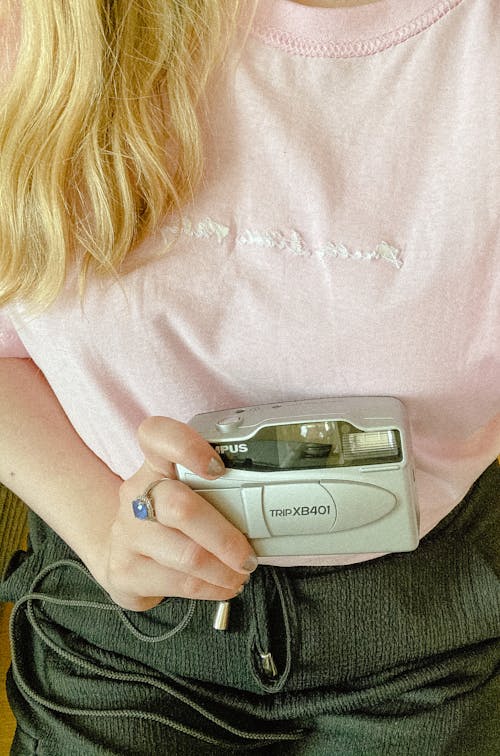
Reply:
x=315, y=451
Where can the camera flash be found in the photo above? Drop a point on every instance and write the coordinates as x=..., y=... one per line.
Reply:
x=371, y=444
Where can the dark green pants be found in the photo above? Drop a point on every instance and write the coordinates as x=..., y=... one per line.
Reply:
x=397, y=656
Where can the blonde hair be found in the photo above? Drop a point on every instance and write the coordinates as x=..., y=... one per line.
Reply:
x=99, y=131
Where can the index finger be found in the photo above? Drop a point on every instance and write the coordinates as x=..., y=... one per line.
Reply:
x=181, y=508
x=166, y=442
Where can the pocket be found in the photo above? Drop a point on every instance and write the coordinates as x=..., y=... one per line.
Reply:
x=24, y=744
x=18, y=576
x=25, y=566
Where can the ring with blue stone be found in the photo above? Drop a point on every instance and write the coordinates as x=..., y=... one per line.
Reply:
x=143, y=506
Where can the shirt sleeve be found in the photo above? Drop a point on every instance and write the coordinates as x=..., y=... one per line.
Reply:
x=10, y=343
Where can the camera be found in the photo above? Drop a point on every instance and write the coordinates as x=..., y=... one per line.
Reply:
x=314, y=477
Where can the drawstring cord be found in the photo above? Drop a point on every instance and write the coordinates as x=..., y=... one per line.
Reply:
x=103, y=606
x=112, y=675
x=264, y=587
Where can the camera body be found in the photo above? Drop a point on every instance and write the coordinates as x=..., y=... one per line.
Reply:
x=314, y=477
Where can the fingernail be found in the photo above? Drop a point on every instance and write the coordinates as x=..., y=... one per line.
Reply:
x=250, y=564
x=215, y=467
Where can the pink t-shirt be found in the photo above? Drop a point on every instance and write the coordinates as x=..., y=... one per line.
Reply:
x=345, y=241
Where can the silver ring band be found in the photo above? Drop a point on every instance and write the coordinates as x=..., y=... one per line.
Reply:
x=143, y=506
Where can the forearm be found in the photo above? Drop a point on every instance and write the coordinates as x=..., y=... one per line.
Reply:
x=44, y=461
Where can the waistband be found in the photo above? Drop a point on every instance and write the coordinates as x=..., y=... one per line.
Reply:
x=292, y=628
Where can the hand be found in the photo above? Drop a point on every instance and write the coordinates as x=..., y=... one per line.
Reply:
x=191, y=550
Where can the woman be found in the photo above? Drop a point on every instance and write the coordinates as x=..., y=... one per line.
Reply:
x=208, y=205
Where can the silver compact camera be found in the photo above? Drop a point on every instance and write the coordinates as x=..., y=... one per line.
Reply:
x=314, y=477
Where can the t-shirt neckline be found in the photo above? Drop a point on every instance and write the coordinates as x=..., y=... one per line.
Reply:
x=345, y=31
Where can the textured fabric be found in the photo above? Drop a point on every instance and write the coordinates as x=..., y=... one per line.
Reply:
x=344, y=242
x=395, y=657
